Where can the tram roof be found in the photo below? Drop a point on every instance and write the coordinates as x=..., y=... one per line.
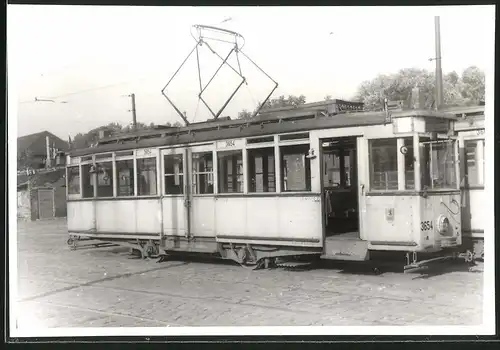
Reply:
x=288, y=122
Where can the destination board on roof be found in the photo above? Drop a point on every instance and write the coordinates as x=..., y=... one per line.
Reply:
x=349, y=106
x=230, y=144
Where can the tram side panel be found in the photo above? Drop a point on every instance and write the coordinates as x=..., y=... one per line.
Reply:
x=203, y=216
x=274, y=220
x=81, y=216
x=414, y=223
x=390, y=222
x=133, y=218
x=440, y=222
x=174, y=213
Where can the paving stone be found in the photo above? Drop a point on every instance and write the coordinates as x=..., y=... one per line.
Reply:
x=105, y=287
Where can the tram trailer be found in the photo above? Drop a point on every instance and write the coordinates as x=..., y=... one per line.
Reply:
x=341, y=187
x=470, y=128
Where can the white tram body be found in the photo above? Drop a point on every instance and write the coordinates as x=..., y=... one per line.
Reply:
x=340, y=186
x=470, y=128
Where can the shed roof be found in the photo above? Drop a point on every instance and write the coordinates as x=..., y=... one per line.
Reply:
x=27, y=141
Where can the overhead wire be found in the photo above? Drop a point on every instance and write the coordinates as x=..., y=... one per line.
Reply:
x=103, y=87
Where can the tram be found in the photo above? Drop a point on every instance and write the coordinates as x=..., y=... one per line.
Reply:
x=324, y=180
x=470, y=129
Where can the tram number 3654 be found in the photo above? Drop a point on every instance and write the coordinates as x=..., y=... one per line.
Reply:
x=426, y=225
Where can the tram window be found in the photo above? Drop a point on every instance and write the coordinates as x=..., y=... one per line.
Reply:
x=296, y=173
x=174, y=171
x=125, y=177
x=146, y=177
x=104, y=179
x=230, y=172
x=384, y=164
x=203, y=176
x=337, y=168
x=73, y=180
x=409, y=164
x=474, y=154
x=261, y=170
x=332, y=169
x=87, y=181
x=437, y=164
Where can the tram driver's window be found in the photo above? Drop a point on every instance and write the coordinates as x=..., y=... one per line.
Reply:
x=384, y=164
x=125, y=177
x=203, y=176
x=261, y=170
x=230, y=171
x=104, y=172
x=409, y=164
x=474, y=169
x=73, y=180
x=174, y=170
x=87, y=181
x=146, y=177
x=296, y=168
x=437, y=164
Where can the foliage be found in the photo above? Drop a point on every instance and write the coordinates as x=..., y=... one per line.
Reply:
x=281, y=101
x=83, y=140
x=457, y=90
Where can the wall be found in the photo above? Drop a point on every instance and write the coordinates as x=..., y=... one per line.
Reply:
x=23, y=205
x=34, y=204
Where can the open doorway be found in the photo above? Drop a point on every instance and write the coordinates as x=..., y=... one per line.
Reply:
x=339, y=187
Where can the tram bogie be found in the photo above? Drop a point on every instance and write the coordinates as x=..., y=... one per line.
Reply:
x=340, y=187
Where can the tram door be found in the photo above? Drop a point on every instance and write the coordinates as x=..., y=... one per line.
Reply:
x=175, y=195
x=340, y=187
x=199, y=191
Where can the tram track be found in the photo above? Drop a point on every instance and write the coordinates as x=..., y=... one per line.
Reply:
x=105, y=279
x=107, y=313
x=363, y=296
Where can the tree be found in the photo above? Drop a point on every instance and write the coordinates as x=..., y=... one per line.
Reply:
x=245, y=114
x=83, y=140
x=281, y=101
x=467, y=89
x=473, y=85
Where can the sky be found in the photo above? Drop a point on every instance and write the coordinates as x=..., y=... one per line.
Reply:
x=88, y=59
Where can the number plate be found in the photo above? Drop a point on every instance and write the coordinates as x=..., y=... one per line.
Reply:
x=426, y=226
x=146, y=152
x=230, y=144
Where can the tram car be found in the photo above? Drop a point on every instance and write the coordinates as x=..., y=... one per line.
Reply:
x=470, y=129
x=325, y=180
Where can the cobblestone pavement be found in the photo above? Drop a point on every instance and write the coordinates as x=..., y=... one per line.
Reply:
x=108, y=287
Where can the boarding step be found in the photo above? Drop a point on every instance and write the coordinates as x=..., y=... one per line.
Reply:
x=342, y=249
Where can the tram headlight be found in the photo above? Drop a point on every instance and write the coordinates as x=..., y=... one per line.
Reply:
x=443, y=224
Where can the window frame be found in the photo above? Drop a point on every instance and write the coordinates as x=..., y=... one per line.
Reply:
x=220, y=178
x=79, y=193
x=456, y=166
x=134, y=175
x=251, y=167
x=308, y=169
x=402, y=139
x=467, y=184
x=92, y=178
x=372, y=163
x=136, y=167
x=203, y=150
x=105, y=157
x=172, y=151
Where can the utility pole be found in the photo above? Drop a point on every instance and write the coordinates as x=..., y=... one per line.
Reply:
x=439, y=72
x=134, y=116
x=48, y=162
